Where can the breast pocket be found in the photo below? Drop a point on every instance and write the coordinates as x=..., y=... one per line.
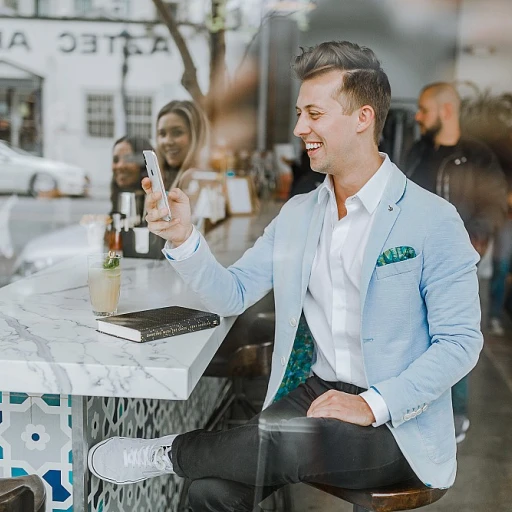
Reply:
x=401, y=267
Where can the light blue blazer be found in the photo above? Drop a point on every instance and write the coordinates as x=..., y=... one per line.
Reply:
x=420, y=324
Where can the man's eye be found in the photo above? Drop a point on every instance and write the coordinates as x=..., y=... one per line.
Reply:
x=314, y=115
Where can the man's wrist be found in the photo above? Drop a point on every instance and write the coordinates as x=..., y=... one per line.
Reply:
x=175, y=244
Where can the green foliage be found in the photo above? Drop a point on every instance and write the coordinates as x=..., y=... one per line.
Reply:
x=111, y=261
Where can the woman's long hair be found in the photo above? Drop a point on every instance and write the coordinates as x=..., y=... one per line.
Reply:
x=138, y=145
x=199, y=128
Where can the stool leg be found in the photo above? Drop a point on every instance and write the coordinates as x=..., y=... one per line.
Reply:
x=358, y=508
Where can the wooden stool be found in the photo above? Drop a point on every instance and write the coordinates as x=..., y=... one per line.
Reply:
x=405, y=496
x=22, y=494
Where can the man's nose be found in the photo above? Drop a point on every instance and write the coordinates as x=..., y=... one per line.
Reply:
x=301, y=127
x=417, y=116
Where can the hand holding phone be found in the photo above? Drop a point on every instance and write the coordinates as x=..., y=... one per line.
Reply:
x=157, y=182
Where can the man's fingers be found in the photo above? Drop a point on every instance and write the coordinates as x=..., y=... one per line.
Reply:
x=325, y=397
x=325, y=412
x=155, y=214
x=178, y=196
x=159, y=226
x=152, y=200
x=146, y=185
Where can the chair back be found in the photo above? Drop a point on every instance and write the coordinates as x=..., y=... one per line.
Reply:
x=254, y=360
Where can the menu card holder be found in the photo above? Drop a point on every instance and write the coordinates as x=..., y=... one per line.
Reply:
x=141, y=243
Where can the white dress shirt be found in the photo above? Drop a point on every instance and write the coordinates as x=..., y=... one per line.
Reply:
x=332, y=302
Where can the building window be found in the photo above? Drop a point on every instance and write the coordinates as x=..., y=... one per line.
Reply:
x=139, y=115
x=100, y=115
x=82, y=7
x=43, y=8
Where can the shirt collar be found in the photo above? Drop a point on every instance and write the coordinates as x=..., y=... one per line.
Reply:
x=371, y=192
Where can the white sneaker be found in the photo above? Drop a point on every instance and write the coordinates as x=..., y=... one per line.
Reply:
x=495, y=327
x=122, y=460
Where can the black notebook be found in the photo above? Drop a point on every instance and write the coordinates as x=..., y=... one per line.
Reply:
x=153, y=324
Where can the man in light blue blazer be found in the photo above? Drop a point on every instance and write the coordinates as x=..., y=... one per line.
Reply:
x=377, y=314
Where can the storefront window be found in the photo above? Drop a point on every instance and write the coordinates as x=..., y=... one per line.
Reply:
x=139, y=116
x=100, y=115
x=82, y=7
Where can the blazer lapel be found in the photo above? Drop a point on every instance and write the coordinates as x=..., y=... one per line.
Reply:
x=385, y=217
x=313, y=235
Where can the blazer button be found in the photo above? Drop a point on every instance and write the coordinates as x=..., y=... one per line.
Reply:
x=293, y=321
x=424, y=408
x=283, y=360
x=407, y=416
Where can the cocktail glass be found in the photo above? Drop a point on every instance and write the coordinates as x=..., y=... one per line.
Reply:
x=104, y=271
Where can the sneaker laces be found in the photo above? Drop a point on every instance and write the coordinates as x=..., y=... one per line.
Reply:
x=149, y=456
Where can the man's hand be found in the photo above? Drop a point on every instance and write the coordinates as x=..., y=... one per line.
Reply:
x=342, y=406
x=180, y=227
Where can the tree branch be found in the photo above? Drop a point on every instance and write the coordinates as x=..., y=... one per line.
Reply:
x=189, y=78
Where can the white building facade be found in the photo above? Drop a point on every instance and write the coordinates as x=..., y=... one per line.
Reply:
x=61, y=75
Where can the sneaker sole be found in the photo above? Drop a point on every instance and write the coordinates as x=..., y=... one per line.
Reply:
x=90, y=464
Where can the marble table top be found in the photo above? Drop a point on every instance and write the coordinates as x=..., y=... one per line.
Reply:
x=49, y=342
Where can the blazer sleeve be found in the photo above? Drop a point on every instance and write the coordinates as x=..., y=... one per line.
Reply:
x=449, y=287
x=230, y=291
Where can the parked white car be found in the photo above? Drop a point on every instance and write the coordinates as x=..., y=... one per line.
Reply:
x=21, y=172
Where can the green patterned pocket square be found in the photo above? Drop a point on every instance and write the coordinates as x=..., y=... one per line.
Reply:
x=395, y=255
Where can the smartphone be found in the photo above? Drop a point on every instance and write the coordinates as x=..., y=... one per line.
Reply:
x=157, y=183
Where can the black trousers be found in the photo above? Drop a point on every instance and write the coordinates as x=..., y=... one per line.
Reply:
x=281, y=445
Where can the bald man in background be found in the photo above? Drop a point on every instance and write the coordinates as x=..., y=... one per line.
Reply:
x=466, y=173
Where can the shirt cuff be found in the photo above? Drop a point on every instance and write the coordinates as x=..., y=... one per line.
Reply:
x=185, y=250
x=378, y=406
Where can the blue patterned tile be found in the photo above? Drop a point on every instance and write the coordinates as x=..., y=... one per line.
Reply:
x=17, y=398
x=36, y=439
x=51, y=400
x=18, y=472
x=54, y=478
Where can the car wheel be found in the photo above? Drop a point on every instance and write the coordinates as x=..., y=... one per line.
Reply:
x=42, y=183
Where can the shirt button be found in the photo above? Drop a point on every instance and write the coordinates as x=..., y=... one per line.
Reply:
x=293, y=321
x=283, y=360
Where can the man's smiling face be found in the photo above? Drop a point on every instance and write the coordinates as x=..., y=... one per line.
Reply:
x=328, y=132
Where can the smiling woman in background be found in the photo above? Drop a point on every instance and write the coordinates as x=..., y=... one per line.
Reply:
x=182, y=139
x=128, y=169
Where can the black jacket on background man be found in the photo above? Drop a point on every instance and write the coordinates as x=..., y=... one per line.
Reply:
x=469, y=176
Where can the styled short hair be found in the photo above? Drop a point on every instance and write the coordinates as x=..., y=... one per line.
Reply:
x=364, y=81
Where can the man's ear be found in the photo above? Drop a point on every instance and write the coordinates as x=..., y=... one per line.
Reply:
x=447, y=111
x=366, y=118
